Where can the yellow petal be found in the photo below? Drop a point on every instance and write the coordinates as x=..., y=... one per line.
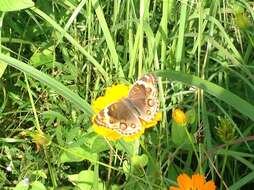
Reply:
x=198, y=181
x=108, y=133
x=184, y=181
x=179, y=116
x=210, y=185
x=174, y=188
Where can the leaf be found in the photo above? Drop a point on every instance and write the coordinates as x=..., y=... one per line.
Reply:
x=36, y=185
x=191, y=115
x=44, y=57
x=52, y=115
x=21, y=186
x=115, y=187
x=2, y=68
x=11, y=140
x=85, y=180
x=72, y=41
x=95, y=142
x=77, y=154
x=39, y=173
x=15, y=5
x=99, y=144
x=128, y=147
x=3, y=178
x=178, y=134
x=221, y=93
x=138, y=162
x=51, y=82
x=240, y=183
x=108, y=37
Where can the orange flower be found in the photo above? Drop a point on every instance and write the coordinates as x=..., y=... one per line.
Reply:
x=113, y=94
x=196, y=182
x=179, y=117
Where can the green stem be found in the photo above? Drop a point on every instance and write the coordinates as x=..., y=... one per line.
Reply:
x=51, y=170
x=224, y=164
x=1, y=24
x=37, y=124
x=193, y=146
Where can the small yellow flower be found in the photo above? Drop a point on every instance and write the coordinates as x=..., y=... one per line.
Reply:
x=113, y=94
x=179, y=117
x=41, y=138
x=196, y=182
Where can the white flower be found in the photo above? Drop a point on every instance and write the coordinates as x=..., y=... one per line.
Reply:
x=25, y=181
x=9, y=168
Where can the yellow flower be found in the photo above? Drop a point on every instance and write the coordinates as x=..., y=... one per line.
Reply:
x=179, y=117
x=41, y=138
x=113, y=94
x=196, y=182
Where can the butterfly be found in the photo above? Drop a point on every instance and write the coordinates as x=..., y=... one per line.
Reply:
x=125, y=116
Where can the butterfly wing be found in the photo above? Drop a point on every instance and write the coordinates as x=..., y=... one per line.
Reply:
x=119, y=117
x=144, y=96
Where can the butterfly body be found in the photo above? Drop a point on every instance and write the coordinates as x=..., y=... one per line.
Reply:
x=125, y=115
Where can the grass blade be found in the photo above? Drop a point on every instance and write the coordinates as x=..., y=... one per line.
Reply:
x=230, y=98
x=49, y=81
x=246, y=179
x=6, y=5
x=108, y=37
x=180, y=41
x=72, y=41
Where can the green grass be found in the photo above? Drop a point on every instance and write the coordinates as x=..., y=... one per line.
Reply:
x=56, y=57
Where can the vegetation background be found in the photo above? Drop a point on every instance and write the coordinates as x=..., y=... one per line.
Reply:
x=59, y=55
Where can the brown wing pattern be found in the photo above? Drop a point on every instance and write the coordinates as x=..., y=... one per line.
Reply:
x=144, y=95
x=119, y=117
x=124, y=116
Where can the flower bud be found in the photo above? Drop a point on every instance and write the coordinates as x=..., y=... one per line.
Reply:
x=242, y=21
x=41, y=138
x=225, y=130
x=179, y=117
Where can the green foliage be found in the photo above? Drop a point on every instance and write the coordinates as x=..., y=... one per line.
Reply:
x=56, y=57
x=136, y=165
x=76, y=154
x=178, y=134
x=2, y=68
x=85, y=180
x=36, y=185
x=191, y=116
x=15, y=5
